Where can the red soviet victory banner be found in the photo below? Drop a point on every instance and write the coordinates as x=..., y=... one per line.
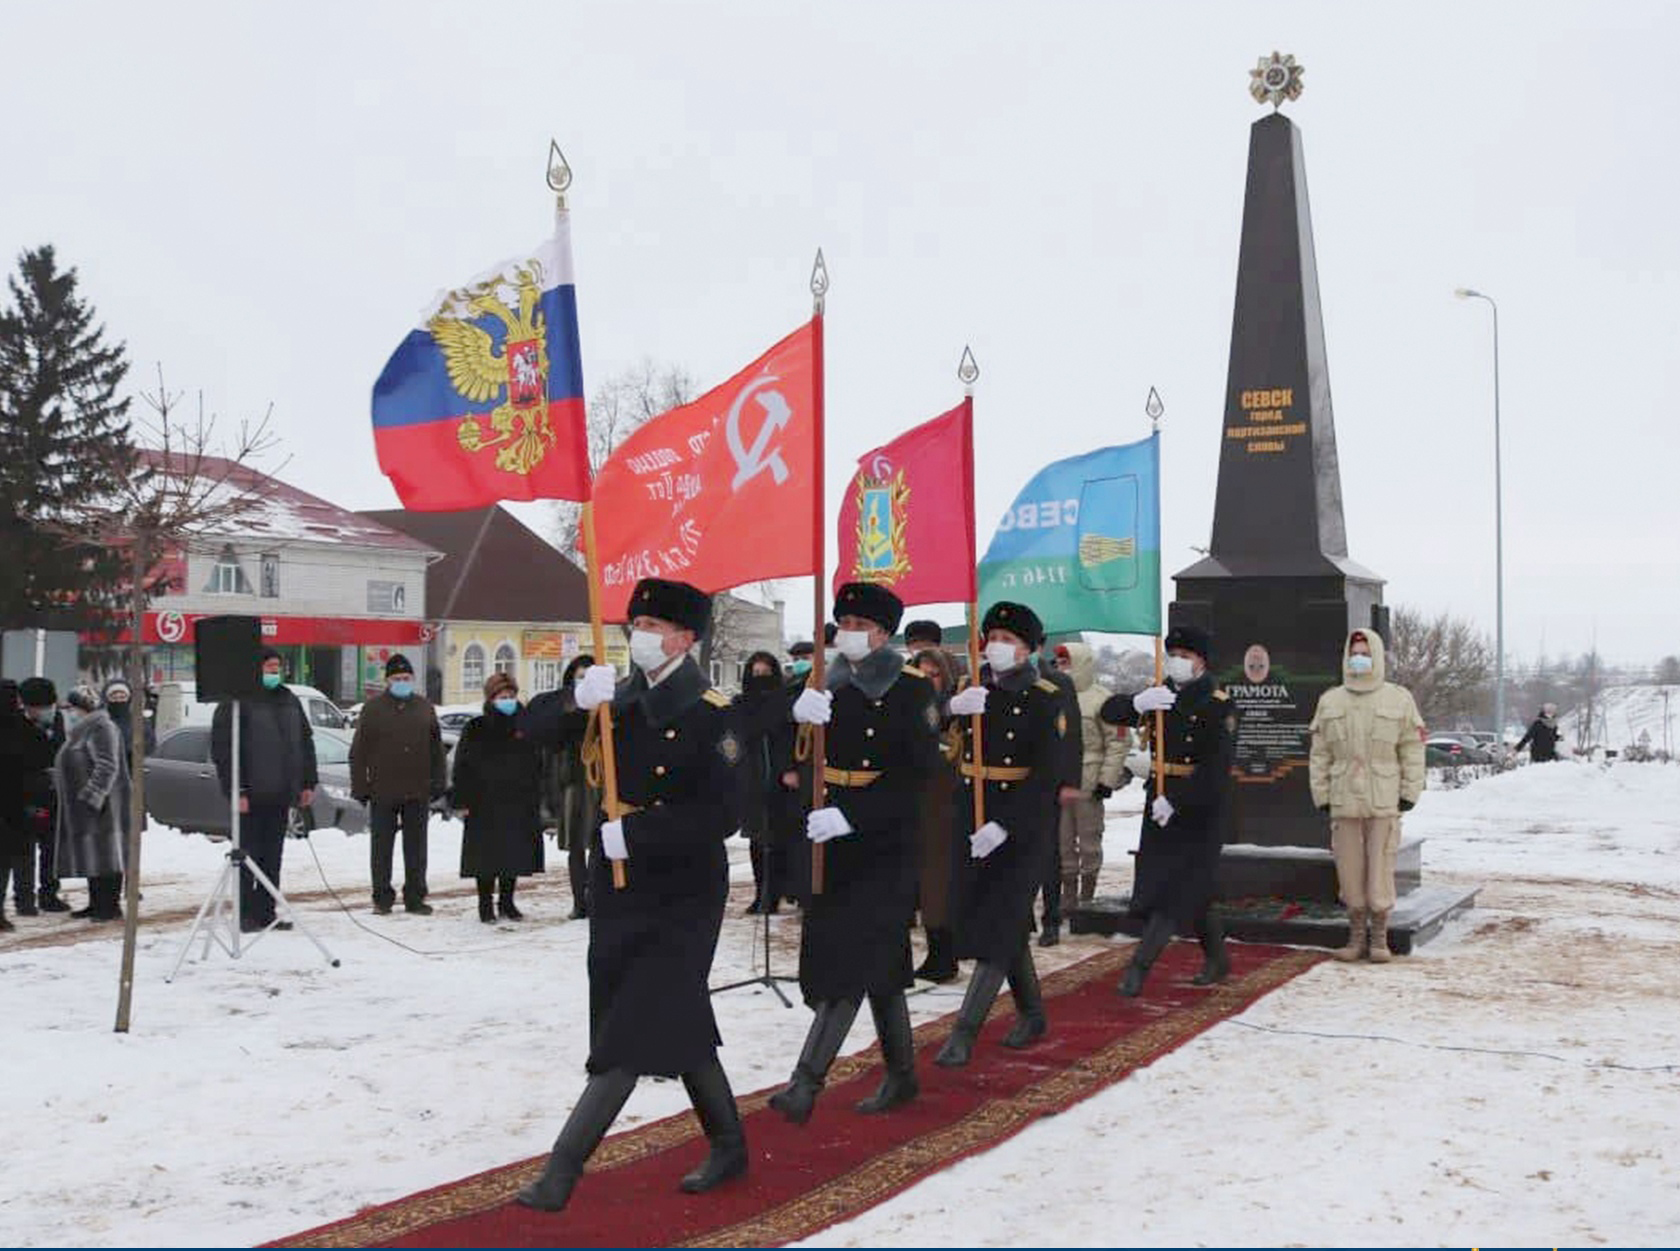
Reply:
x=907, y=517
x=717, y=492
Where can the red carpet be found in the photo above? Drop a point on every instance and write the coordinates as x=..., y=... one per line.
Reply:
x=803, y=1179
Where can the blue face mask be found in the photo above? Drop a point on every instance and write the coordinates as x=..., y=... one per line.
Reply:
x=507, y=707
x=1360, y=666
x=271, y=681
x=401, y=688
x=801, y=668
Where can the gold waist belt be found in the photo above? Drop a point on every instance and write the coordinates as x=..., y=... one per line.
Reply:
x=1178, y=770
x=997, y=773
x=850, y=778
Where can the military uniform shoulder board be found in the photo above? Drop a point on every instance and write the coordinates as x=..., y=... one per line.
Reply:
x=716, y=698
x=1047, y=686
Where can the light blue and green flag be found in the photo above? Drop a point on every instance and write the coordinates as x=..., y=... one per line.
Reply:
x=1081, y=545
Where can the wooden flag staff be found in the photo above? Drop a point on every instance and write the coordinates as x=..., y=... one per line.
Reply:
x=819, y=606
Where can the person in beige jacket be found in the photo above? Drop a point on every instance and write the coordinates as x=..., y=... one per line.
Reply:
x=1081, y=829
x=1366, y=769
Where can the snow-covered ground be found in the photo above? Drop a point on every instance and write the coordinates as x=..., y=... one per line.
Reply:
x=1624, y=714
x=1517, y=1081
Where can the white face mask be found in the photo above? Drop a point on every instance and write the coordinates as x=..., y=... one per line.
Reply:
x=1002, y=657
x=852, y=644
x=647, y=649
x=1181, y=669
x=1360, y=665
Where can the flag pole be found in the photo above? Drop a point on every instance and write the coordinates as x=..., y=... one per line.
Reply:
x=559, y=180
x=1154, y=408
x=819, y=603
x=968, y=371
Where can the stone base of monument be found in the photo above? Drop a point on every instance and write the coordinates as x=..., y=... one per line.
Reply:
x=1417, y=917
x=1247, y=870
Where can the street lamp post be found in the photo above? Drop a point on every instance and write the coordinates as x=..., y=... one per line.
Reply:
x=1466, y=293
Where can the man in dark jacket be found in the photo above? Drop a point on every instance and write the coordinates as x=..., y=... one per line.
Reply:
x=1542, y=736
x=397, y=767
x=651, y=941
x=1067, y=791
x=1183, y=823
x=881, y=745
x=1022, y=762
x=276, y=771
x=40, y=801
x=16, y=736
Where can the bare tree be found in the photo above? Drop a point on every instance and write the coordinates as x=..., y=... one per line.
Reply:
x=621, y=405
x=188, y=484
x=1444, y=661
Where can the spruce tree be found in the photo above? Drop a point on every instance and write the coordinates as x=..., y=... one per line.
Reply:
x=64, y=440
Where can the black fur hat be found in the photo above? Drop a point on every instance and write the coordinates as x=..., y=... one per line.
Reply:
x=1018, y=619
x=872, y=602
x=1192, y=639
x=677, y=602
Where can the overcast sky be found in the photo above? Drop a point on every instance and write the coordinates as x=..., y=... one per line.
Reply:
x=263, y=198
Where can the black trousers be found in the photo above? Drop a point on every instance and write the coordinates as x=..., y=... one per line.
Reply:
x=23, y=868
x=1052, y=884
x=383, y=819
x=262, y=835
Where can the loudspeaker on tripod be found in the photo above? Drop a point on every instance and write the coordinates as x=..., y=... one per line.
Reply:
x=227, y=655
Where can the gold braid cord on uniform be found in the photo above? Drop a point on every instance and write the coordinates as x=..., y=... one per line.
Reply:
x=803, y=736
x=594, y=770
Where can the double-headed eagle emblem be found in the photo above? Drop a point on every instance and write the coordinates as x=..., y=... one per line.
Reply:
x=518, y=427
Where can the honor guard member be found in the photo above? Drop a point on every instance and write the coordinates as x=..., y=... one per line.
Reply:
x=651, y=943
x=1023, y=727
x=882, y=742
x=1183, y=828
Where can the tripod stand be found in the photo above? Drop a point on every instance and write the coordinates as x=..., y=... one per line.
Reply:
x=765, y=900
x=218, y=918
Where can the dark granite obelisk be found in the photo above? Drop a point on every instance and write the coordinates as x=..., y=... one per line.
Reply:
x=1277, y=589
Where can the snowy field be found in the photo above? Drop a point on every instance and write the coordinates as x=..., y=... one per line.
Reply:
x=1515, y=1082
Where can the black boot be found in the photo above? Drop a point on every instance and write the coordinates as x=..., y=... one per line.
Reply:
x=577, y=869
x=486, y=901
x=940, y=966
x=1029, y=1024
x=1216, y=963
x=1051, y=934
x=1157, y=933
x=714, y=1104
x=983, y=987
x=597, y=1107
x=822, y=1043
x=898, y=1052
x=505, y=904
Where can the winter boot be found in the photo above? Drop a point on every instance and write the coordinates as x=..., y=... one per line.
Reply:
x=1157, y=933
x=1029, y=1024
x=1087, y=887
x=486, y=901
x=505, y=904
x=940, y=966
x=597, y=1107
x=714, y=1105
x=983, y=987
x=1216, y=961
x=1355, y=948
x=822, y=1043
x=898, y=1052
x=1380, y=953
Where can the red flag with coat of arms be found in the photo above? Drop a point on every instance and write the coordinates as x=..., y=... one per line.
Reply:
x=717, y=492
x=907, y=517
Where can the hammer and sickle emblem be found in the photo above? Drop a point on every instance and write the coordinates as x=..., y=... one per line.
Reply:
x=752, y=461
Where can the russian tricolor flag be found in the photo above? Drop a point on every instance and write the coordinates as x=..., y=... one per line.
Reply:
x=483, y=401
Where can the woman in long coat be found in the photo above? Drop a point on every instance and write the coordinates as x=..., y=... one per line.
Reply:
x=933, y=890
x=770, y=806
x=498, y=789
x=573, y=802
x=93, y=785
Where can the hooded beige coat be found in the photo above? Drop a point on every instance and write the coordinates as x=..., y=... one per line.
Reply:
x=1367, y=743
x=1105, y=745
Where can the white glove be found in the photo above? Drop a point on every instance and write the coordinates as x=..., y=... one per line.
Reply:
x=813, y=707
x=1139, y=763
x=969, y=702
x=612, y=841
x=826, y=823
x=987, y=839
x=1161, y=810
x=1154, y=699
x=594, y=687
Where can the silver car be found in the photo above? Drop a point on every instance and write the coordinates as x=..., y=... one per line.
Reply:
x=182, y=790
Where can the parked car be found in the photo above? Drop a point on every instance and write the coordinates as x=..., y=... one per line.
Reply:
x=1441, y=750
x=452, y=719
x=182, y=790
x=178, y=705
